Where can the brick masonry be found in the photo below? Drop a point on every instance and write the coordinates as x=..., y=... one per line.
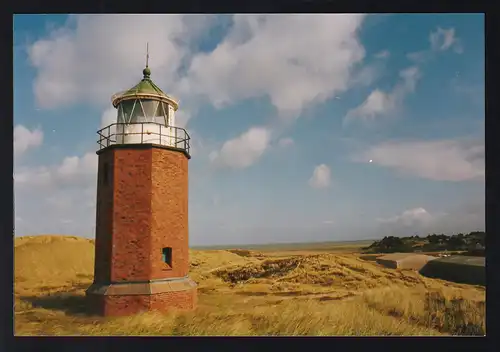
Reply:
x=104, y=221
x=142, y=207
x=124, y=305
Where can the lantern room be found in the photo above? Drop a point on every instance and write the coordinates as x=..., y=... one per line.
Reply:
x=145, y=114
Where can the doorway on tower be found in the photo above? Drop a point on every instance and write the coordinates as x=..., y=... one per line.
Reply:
x=167, y=256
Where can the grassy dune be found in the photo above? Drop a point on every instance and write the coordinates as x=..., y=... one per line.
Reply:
x=243, y=292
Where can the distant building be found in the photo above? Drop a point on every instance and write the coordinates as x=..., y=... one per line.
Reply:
x=404, y=260
x=457, y=268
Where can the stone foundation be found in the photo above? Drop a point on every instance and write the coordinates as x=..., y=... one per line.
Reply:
x=131, y=298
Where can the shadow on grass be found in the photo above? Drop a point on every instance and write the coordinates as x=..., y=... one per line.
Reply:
x=283, y=294
x=69, y=302
x=370, y=258
x=71, y=288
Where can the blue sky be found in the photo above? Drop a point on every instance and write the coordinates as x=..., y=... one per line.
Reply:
x=305, y=127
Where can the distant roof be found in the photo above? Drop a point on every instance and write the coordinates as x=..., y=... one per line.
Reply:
x=146, y=88
x=464, y=260
x=401, y=256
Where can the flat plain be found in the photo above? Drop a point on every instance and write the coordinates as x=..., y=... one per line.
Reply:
x=294, y=289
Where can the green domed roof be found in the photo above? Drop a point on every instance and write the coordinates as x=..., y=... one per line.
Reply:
x=146, y=88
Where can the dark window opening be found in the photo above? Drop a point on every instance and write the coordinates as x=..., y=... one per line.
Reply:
x=167, y=256
x=105, y=174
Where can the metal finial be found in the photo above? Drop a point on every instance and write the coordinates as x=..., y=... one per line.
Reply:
x=147, y=72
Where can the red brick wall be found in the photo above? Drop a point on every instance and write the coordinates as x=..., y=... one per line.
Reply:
x=133, y=304
x=184, y=300
x=169, y=213
x=131, y=215
x=104, y=217
x=144, y=209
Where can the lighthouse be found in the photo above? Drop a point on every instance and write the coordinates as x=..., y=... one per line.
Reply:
x=141, y=239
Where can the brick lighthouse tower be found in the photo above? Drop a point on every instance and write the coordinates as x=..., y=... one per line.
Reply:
x=141, y=247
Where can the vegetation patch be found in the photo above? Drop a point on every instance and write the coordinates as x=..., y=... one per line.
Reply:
x=474, y=242
x=268, y=268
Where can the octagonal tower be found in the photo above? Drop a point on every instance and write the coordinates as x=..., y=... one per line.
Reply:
x=142, y=247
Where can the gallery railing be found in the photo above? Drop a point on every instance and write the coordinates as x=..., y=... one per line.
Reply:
x=144, y=133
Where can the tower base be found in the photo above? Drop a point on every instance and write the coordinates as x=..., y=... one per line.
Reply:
x=121, y=299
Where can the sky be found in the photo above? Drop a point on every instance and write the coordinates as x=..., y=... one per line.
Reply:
x=304, y=128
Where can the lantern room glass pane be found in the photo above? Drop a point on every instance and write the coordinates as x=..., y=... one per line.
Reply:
x=160, y=119
x=137, y=111
x=127, y=108
x=164, y=110
x=121, y=118
x=150, y=108
x=160, y=115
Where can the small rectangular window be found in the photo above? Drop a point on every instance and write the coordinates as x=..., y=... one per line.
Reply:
x=167, y=256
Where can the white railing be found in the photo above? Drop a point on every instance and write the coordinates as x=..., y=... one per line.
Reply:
x=144, y=133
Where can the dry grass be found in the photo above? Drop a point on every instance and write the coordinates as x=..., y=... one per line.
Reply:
x=242, y=292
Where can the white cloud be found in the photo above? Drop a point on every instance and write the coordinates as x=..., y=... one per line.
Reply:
x=441, y=160
x=75, y=166
x=441, y=40
x=384, y=54
x=294, y=59
x=410, y=76
x=73, y=170
x=244, y=150
x=72, y=66
x=366, y=75
x=108, y=117
x=409, y=217
x=380, y=103
x=321, y=177
x=39, y=176
x=444, y=39
x=25, y=139
x=65, y=190
x=377, y=103
x=286, y=142
x=182, y=117
x=465, y=217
